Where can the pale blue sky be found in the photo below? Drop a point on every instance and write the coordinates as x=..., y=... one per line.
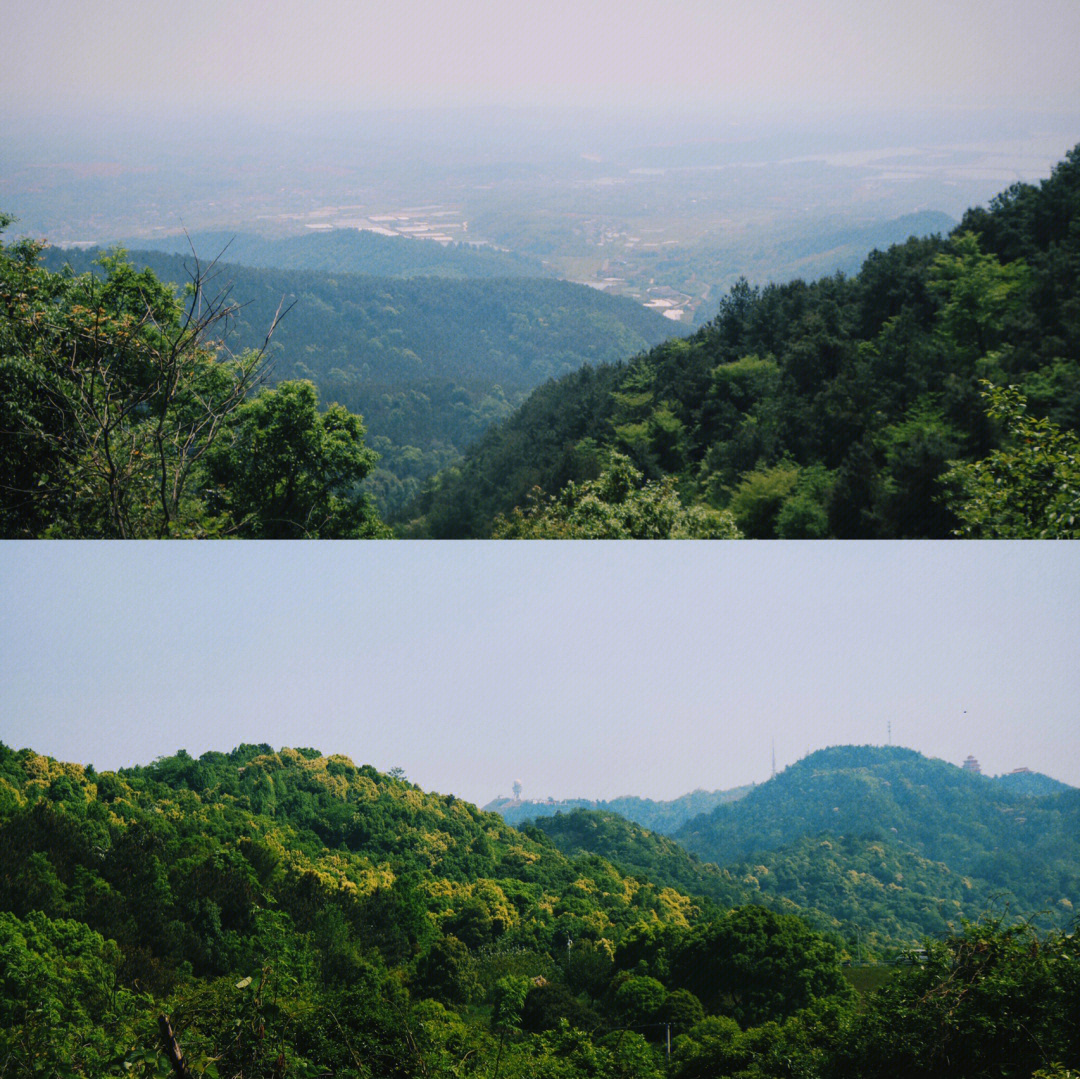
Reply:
x=593, y=670
x=735, y=55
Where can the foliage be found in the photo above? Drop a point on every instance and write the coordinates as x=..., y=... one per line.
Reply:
x=110, y=397
x=291, y=472
x=1028, y=489
x=294, y=914
x=123, y=419
x=903, y=845
x=620, y=504
x=647, y=854
x=991, y=1000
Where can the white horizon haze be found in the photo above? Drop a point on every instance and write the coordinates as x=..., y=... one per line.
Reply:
x=737, y=57
x=584, y=670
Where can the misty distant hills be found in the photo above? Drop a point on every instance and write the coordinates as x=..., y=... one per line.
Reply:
x=664, y=817
x=345, y=250
x=821, y=250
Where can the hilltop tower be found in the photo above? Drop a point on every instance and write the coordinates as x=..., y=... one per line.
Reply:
x=972, y=765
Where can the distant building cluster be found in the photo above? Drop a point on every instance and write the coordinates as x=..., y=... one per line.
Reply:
x=972, y=765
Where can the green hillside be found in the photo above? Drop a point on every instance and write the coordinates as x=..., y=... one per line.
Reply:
x=830, y=409
x=429, y=363
x=1012, y=850
x=872, y=894
x=259, y=914
x=295, y=912
x=638, y=850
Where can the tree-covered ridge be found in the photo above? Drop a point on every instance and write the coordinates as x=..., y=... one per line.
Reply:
x=288, y=913
x=1024, y=781
x=204, y=887
x=1012, y=849
x=657, y=816
x=827, y=409
x=636, y=849
x=873, y=896
x=430, y=363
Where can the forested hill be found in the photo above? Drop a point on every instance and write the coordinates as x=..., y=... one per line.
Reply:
x=876, y=893
x=656, y=816
x=286, y=913
x=343, y=912
x=1023, y=849
x=824, y=409
x=429, y=363
x=352, y=251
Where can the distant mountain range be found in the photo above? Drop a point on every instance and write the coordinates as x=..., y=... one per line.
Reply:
x=345, y=250
x=663, y=817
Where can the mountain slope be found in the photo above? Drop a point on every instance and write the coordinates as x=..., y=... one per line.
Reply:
x=1025, y=850
x=351, y=251
x=876, y=895
x=290, y=913
x=824, y=409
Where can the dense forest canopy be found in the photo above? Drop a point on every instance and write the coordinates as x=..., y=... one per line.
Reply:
x=834, y=408
x=913, y=830
x=288, y=913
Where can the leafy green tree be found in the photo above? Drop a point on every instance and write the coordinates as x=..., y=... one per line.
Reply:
x=992, y=1000
x=291, y=472
x=759, y=498
x=111, y=397
x=1029, y=489
x=977, y=295
x=448, y=972
x=755, y=965
x=63, y=1011
x=805, y=513
x=639, y=999
x=551, y=1004
x=917, y=451
x=618, y=505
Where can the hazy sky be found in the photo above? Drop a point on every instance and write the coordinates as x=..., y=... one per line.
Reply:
x=736, y=55
x=580, y=669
